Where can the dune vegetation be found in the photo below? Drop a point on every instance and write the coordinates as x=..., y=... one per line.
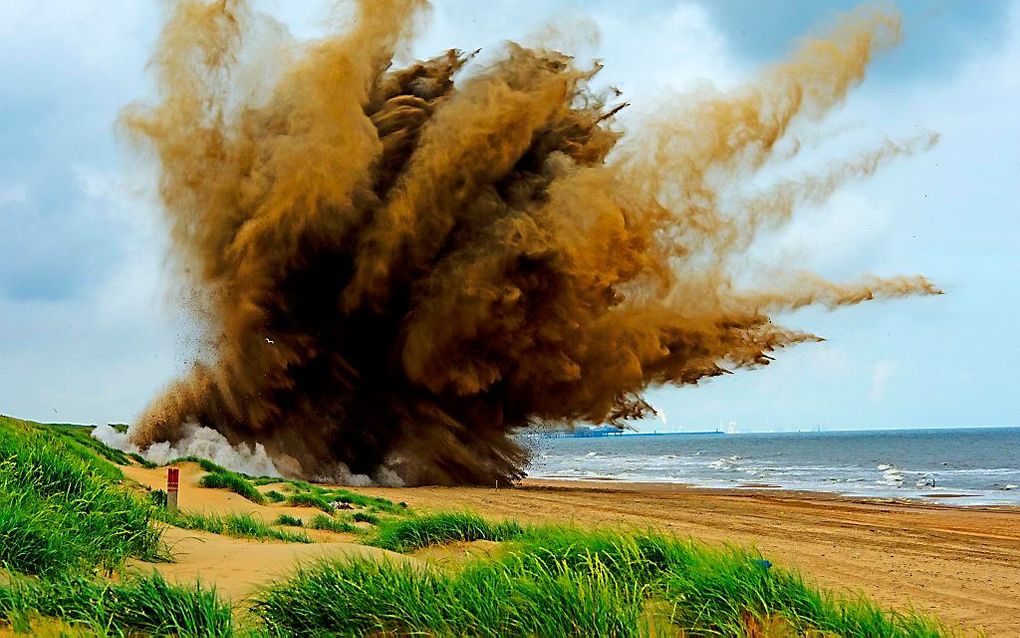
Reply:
x=67, y=522
x=72, y=526
x=553, y=581
x=61, y=510
x=238, y=525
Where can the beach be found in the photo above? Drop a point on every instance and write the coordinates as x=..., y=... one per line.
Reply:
x=959, y=563
x=962, y=563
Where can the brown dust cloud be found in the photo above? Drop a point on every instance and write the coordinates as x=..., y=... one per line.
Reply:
x=400, y=266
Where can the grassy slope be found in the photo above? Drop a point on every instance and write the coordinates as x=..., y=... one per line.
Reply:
x=134, y=606
x=64, y=516
x=61, y=509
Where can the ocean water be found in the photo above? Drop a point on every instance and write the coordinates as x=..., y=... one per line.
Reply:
x=958, y=466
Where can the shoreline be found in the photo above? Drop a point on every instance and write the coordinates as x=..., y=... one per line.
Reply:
x=928, y=499
x=961, y=563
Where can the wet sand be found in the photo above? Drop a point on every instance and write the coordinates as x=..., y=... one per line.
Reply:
x=962, y=564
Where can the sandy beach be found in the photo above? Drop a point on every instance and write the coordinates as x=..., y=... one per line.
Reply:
x=961, y=563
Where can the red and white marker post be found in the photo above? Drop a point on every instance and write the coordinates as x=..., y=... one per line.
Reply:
x=173, y=482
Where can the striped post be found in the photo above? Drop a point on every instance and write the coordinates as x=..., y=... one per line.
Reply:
x=173, y=482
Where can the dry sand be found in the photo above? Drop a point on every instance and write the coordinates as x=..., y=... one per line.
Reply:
x=962, y=564
x=238, y=566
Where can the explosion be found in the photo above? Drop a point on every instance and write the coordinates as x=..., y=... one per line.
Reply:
x=401, y=269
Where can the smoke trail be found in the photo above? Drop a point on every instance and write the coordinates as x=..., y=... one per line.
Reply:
x=402, y=269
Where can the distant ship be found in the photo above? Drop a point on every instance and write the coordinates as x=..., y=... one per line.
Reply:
x=586, y=431
x=593, y=431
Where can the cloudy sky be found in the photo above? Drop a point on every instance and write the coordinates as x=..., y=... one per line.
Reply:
x=87, y=335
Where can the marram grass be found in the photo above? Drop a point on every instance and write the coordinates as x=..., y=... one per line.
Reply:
x=288, y=520
x=364, y=597
x=61, y=509
x=136, y=606
x=553, y=581
x=407, y=534
x=328, y=523
x=233, y=482
x=236, y=525
x=306, y=499
x=373, y=503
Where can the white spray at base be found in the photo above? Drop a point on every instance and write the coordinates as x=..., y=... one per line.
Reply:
x=209, y=444
x=197, y=441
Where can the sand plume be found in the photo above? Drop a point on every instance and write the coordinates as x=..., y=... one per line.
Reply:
x=401, y=266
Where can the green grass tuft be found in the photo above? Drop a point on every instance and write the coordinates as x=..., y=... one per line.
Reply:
x=80, y=436
x=219, y=477
x=346, y=496
x=294, y=486
x=233, y=482
x=365, y=517
x=237, y=525
x=141, y=460
x=715, y=592
x=363, y=597
x=328, y=523
x=64, y=517
x=309, y=500
x=287, y=519
x=274, y=496
x=139, y=605
x=205, y=464
x=408, y=534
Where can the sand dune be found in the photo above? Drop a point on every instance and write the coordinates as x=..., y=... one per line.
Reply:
x=238, y=566
x=961, y=563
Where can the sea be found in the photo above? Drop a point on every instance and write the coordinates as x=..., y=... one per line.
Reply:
x=967, y=466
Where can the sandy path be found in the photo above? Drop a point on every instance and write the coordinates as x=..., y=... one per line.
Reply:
x=238, y=566
x=193, y=498
x=960, y=563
